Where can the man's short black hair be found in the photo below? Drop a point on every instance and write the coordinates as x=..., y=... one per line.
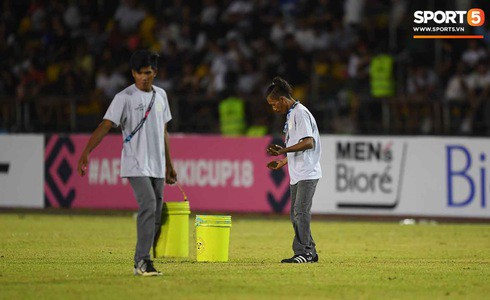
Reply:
x=143, y=58
x=278, y=88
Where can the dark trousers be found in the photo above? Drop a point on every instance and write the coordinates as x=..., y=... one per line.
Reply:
x=149, y=194
x=301, y=200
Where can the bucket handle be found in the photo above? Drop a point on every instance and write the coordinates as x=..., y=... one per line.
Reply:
x=182, y=191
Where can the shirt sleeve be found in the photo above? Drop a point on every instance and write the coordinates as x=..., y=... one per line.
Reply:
x=167, y=115
x=303, y=125
x=115, y=111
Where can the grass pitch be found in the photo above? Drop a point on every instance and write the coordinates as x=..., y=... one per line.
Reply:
x=90, y=257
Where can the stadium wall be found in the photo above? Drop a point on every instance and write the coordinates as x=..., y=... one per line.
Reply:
x=386, y=176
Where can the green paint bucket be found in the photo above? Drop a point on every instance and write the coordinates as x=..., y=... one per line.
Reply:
x=173, y=240
x=212, y=238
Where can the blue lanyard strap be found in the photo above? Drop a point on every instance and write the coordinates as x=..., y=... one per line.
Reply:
x=285, y=130
x=140, y=124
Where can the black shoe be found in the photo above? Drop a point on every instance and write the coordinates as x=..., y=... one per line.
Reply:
x=145, y=268
x=300, y=259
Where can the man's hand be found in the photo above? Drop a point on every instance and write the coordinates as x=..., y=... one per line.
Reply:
x=82, y=164
x=275, y=150
x=170, y=175
x=94, y=140
x=276, y=164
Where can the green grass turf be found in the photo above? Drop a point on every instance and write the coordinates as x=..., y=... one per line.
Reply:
x=90, y=257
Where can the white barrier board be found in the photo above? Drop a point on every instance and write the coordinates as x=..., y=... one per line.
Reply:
x=21, y=171
x=423, y=176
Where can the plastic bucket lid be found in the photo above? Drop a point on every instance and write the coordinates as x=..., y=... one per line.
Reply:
x=177, y=208
x=213, y=221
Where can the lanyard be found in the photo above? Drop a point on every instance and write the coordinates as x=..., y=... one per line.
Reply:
x=140, y=124
x=287, y=117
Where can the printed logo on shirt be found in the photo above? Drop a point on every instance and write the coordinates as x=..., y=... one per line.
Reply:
x=159, y=107
x=140, y=107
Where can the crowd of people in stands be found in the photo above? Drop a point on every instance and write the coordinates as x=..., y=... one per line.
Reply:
x=62, y=61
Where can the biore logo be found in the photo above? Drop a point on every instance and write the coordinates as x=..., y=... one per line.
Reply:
x=474, y=17
x=363, y=151
x=464, y=182
x=369, y=174
x=349, y=179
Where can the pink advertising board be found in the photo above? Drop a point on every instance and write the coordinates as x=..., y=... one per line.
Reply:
x=218, y=174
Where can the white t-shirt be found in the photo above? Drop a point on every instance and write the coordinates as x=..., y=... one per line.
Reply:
x=303, y=165
x=144, y=154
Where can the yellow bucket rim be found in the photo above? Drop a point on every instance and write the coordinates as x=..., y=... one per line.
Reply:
x=177, y=208
x=213, y=221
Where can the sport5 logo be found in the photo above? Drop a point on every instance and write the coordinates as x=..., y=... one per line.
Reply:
x=58, y=171
x=474, y=17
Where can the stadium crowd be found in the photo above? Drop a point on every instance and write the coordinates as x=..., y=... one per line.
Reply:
x=62, y=62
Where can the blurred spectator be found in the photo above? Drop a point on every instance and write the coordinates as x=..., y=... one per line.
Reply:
x=109, y=83
x=232, y=116
x=456, y=96
x=279, y=31
x=249, y=79
x=32, y=81
x=346, y=121
x=457, y=88
x=421, y=82
x=147, y=28
x=96, y=38
x=234, y=54
x=189, y=82
x=72, y=17
x=305, y=36
x=398, y=12
x=382, y=89
x=209, y=13
x=473, y=53
x=295, y=65
x=164, y=81
x=237, y=13
x=129, y=15
x=478, y=83
x=259, y=127
x=353, y=10
x=325, y=48
x=421, y=93
x=176, y=12
x=218, y=69
x=359, y=60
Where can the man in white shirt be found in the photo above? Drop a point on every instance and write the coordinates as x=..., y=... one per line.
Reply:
x=142, y=111
x=303, y=151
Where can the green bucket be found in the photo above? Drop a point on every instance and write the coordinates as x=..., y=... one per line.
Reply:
x=173, y=240
x=212, y=238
